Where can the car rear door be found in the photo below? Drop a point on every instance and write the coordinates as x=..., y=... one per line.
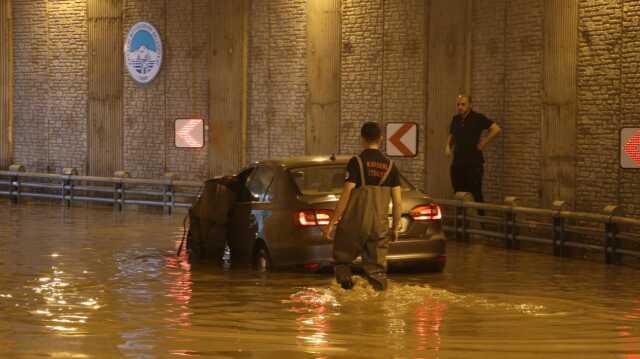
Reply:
x=250, y=212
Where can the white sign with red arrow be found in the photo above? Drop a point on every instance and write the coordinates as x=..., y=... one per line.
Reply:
x=402, y=139
x=630, y=147
x=189, y=133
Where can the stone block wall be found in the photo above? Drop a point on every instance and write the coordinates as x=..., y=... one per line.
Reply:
x=383, y=77
x=523, y=102
x=278, y=79
x=608, y=86
x=629, y=187
x=180, y=91
x=259, y=111
x=403, y=75
x=506, y=84
x=507, y=45
x=50, y=96
x=599, y=103
x=361, y=68
x=187, y=85
x=488, y=84
x=67, y=77
x=145, y=106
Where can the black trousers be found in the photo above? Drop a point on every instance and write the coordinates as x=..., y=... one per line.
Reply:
x=468, y=178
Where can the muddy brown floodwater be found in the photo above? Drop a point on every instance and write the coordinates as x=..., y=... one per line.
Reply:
x=88, y=282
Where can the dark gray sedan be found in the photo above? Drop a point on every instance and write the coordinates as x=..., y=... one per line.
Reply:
x=278, y=219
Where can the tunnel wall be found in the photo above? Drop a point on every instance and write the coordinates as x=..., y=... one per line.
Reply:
x=508, y=74
x=51, y=88
x=6, y=84
x=277, y=78
x=384, y=64
x=608, y=59
x=50, y=67
x=506, y=86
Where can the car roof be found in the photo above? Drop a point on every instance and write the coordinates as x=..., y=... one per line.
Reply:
x=304, y=161
x=307, y=161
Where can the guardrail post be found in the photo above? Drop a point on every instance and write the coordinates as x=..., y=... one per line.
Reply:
x=168, y=197
x=14, y=187
x=558, y=232
x=119, y=190
x=67, y=185
x=460, y=222
x=610, y=234
x=510, y=228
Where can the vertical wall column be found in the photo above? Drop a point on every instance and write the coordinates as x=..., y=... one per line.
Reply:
x=227, y=85
x=104, y=119
x=323, y=72
x=6, y=84
x=448, y=74
x=559, y=104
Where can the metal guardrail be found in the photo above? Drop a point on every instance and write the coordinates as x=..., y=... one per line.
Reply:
x=119, y=191
x=609, y=232
x=560, y=227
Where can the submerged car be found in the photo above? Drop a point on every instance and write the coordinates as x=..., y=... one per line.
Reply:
x=278, y=219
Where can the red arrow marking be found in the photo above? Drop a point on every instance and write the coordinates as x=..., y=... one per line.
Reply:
x=632, y=148
x=395, y=139
x=185, y=133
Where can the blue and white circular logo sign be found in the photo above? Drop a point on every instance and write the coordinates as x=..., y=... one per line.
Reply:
x=143, y=52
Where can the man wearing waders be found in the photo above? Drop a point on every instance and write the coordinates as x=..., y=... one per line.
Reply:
x=360, y=226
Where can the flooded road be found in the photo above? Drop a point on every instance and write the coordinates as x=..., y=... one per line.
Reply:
x=93, y=283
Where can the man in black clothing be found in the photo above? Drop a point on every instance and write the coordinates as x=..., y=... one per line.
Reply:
x=360, y=225
x=467, y=168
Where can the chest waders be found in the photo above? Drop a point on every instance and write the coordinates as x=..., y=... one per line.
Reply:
x=208, y=220
x=363, y=230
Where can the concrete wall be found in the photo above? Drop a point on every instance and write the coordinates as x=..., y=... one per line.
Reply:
x=382, y=74
x=488, y=76
x=383, y=66
x=6, y=84
x=362, y=58
x=50, y=96
x=187, y=90
x=179, y=91
x=508, y=51
x=277, y=78
x=628, y=180
x=403, y=74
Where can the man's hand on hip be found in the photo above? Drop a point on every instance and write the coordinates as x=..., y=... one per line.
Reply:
x=481, y=144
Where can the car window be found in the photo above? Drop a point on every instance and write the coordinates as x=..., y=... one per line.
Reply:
x=243, y=178
x=322, y=180
x=259, y=183
x=319, y=179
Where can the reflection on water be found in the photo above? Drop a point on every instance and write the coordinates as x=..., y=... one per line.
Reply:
x=629, y=332
x=409, y=312
x=179, y=278
x=89, y=282
x=56, y=313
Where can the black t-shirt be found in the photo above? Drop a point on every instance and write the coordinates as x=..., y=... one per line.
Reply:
x=466, y=135
x=375, y=166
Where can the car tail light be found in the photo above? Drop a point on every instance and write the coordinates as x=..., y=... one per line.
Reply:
x=311, y=266
x=313, y=217
x=426, y=212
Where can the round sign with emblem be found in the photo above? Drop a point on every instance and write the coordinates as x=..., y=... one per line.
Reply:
x=143, y=52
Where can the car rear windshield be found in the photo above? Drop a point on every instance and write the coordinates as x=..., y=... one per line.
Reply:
x=323, y=180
